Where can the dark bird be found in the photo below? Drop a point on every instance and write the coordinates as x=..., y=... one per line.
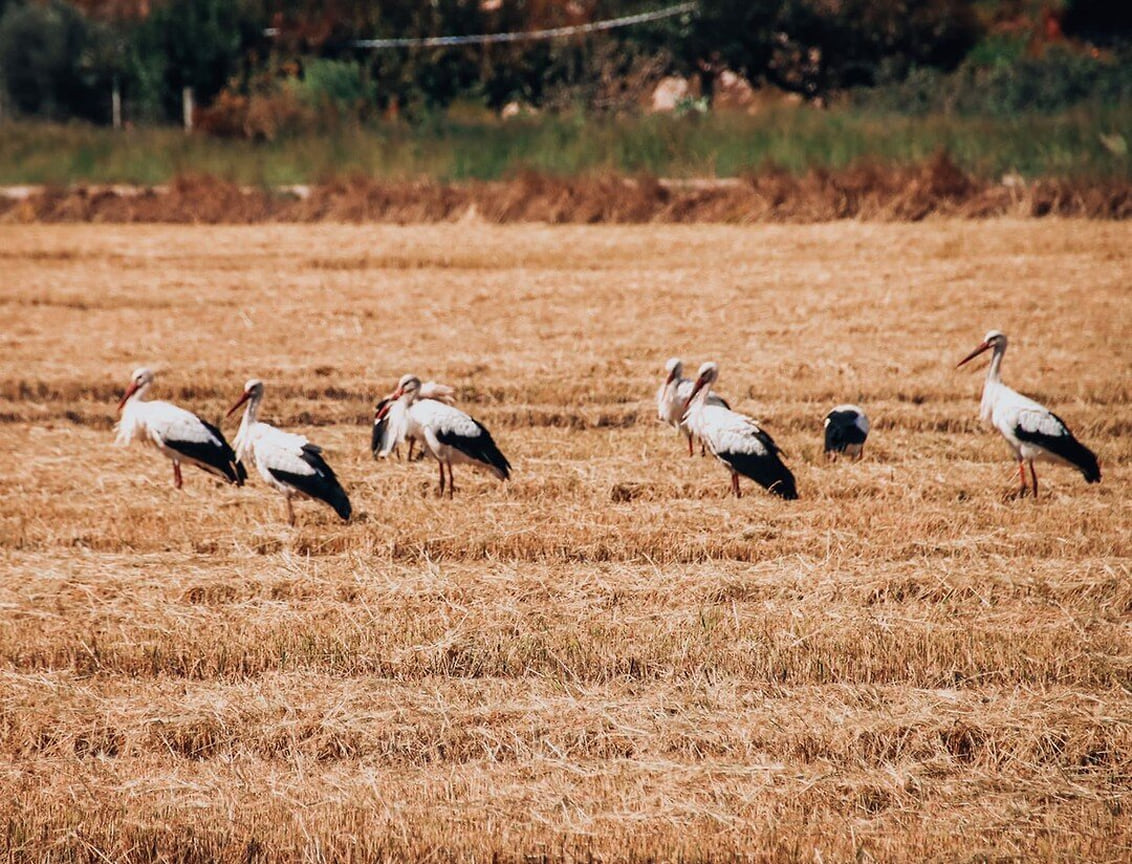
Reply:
x=846, y=428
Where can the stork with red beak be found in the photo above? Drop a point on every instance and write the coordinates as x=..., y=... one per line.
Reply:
x=1031, y=430
x=737, y=440
x=449, y=435
x=392, y=424
x=673, y=396
x=179, y=435
x=287, y=462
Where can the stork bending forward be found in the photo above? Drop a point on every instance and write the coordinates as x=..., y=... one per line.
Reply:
x=1032, y=430
x=179, y=435
x=737, y=440
x=846, y=428
x=287, y=462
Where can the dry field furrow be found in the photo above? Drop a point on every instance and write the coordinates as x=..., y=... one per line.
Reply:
x=607, y=656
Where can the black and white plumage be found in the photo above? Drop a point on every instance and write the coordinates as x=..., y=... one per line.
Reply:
x=179, y=435
x=392, y=424
x=673, y=396
x=286, y=461
x=449, y=435
x=1032, y=431
x=846, y=428
x=737, y=440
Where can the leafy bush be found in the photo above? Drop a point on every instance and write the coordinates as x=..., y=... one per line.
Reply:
x=999, y=80
x=339, y=84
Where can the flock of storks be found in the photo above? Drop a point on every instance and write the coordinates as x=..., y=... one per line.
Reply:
x=423, y=415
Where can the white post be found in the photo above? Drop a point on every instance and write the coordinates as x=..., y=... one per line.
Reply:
x=116, y=104
x=187, y=108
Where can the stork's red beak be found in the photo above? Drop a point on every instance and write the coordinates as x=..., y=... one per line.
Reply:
x=247, y=395
x=982, y=347
x=671, y=377
x=382, y=411
x=130, y=391
x=699, y=385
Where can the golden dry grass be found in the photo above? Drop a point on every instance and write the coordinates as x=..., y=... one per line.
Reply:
x=607, y=657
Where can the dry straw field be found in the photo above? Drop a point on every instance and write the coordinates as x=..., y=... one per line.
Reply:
x=606, y=658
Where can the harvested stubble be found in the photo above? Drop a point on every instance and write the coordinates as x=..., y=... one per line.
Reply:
x=606, y=657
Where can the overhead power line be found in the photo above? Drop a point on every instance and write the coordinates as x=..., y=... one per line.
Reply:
x=520, y=36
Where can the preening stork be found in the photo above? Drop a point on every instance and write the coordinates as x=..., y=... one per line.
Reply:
x=449, y=435
x=180, y=435
x=846, y=428
x=286, y=461
x=673, y=396
x=1032, y=430
x=392, y=424
x=737, y=440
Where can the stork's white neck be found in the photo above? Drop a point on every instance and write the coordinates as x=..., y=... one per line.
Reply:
x=242, y=441
x=993, y=383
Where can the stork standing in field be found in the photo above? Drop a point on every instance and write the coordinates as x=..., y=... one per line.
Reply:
x=449, y=434
x=846, y=428
x=673, y=396
x=392, y=424
x=287, y=462
x=180, y=435
x=1032, y=430
x=737, y=440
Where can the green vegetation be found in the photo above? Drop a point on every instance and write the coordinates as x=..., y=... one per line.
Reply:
x=1079, y=143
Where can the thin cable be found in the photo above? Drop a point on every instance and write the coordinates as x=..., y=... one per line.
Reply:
x=522, y=36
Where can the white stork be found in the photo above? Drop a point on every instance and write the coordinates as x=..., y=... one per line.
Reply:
x=736, y=440
x=287, y=462
x=673, y=396
x=846, y=428
x=180, y=435
x=1032, y=430
x=449, y=434
x=392, y=424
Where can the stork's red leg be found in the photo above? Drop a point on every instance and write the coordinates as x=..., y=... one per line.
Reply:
x=690, y=444
x=1022, y=476
x=440, y=491
x=412, y=442
x=735, y=485
x=451, y=481
x=177, y=481
x=1034, y=477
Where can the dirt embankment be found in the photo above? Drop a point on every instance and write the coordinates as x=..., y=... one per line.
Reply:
x=936, y=187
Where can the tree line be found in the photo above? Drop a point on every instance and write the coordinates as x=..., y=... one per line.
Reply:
x=62, y=60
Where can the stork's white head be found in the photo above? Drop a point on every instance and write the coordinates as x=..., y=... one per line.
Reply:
x=995, y=339
x=675, y=368
x=709, y=371
x=409, y=383
x=253, y=392
x=141, y=378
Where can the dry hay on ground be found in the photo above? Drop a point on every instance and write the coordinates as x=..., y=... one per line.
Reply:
x=891, y=194
x=606, y=656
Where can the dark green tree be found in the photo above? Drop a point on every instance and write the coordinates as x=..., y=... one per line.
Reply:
x=50, y=62
x=191, y=43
